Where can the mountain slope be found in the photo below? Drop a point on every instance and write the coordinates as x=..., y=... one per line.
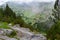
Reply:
x=32, y=9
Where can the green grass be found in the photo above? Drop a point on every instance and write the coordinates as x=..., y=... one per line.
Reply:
x=4, y=25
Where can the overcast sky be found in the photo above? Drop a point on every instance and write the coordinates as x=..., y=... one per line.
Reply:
x=3, y=1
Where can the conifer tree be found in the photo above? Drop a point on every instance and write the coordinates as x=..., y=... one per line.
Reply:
x=8, y=12
x=54, y=32
x=56, y=12
x=9, y=15
x=1, y=13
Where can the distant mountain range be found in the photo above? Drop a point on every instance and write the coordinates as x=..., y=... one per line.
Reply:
x=32, y=9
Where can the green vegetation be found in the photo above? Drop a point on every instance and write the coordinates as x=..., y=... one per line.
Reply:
x=40, y=27
x=54, y=32
x=13, y=34
x=4, y=25
x=8, y=16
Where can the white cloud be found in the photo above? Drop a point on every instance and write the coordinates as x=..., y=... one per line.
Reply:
x=22, y=0
x=44, y=0
x=3, y=1
x=32, y=0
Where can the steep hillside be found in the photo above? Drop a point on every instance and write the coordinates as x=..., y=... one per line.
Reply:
x=32, y=10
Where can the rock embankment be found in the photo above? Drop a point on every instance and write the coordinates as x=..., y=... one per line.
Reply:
x=21, y=34
x=26, y=34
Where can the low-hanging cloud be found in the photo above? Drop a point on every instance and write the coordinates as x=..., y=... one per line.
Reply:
x=3, y=1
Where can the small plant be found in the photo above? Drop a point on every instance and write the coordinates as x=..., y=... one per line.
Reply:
x=12, y=34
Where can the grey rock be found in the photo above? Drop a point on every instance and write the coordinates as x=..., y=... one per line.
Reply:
x=25, y=34
x=7, y=31
x=1, y=32
x=6, y=38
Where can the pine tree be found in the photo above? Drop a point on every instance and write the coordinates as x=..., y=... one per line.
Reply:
x=56, y=12
x=9, y=15
x=8, y=12
x=54, y=32
x=56, y=4
x=1, y=14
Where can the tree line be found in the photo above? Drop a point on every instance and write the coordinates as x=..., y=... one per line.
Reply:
x=7, y=15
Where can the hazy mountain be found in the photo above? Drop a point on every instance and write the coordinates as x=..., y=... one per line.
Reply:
x=32, y=9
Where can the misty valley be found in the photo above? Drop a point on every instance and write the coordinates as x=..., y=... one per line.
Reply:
x=30, y=20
